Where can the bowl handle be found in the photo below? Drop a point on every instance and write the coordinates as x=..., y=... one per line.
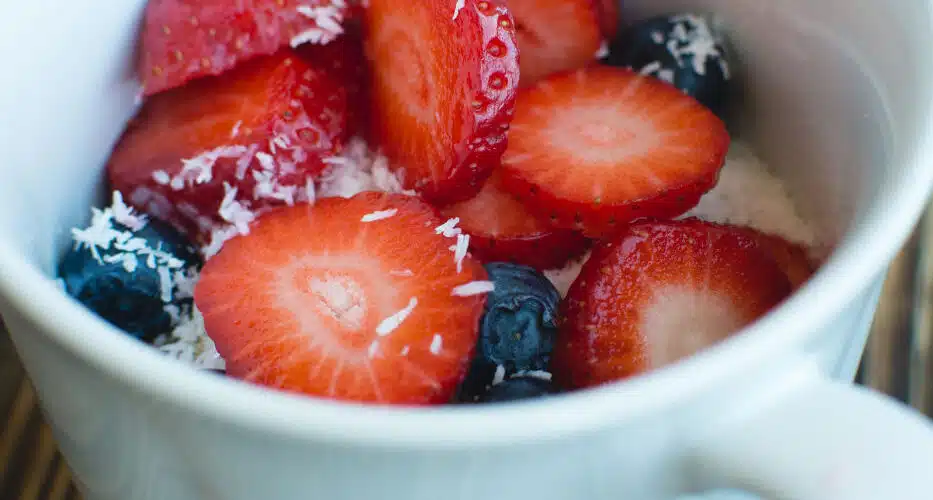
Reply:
x=811, y=438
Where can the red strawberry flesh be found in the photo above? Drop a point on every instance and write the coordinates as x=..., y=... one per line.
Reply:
x=501, y=229
x=608, y=17
x=596, y=148
x=305, y=302
x=262, y=129
x=187, y=39
x=660, y=292
x=555, y=35
x=443, y=89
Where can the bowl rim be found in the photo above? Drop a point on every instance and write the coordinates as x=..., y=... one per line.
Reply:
x=858, y=261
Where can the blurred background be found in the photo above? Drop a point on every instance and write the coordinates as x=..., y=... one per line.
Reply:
x=897, y=361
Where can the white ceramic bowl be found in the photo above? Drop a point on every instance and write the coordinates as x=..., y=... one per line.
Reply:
x=839, y=96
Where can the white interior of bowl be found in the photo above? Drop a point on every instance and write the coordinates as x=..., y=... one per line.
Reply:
x=838, y=100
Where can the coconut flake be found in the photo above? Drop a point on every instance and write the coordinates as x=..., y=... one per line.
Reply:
x=199, y=169
x=499, y=376
x=449, y=229
x=236, y=129
x=161, y=177
x=357, y=169
x=189, y=342
x=125, y=215
x=379, y=215
x=389, y=324
x=538, y=374
x=473, y=288
x=328, y=18
x=603, y=50
x=436, y=344
x=457, y=8
x=460, y=250
x=404, y=351
x=235, y=212
x=373, y=349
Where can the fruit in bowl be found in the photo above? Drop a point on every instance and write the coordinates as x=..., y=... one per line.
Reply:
x=435, y=202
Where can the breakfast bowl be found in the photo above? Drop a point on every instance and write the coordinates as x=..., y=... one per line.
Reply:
x=836, y=97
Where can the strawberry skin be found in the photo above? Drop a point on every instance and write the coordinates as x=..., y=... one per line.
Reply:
x=261, y=130
x=501, y=229
x=608, y=17
x=343, y=58
x=555, y=35
x=791, y=257
x=443, y=84
x=658, y=293
x=349, y=299
x=596, y=148
x=187, y=39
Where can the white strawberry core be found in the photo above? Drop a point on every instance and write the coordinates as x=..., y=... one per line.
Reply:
x=339, y=297
x=682, y=320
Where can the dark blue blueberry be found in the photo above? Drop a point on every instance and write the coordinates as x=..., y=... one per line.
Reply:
x=518, y=388
x=133, y=272
x=520, y=319
x=517, y=329
x=683, y=49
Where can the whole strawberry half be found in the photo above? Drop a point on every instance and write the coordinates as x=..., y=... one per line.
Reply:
x=596, y=148
x=186, y=39
x=659, y=292
x=355, y=299
x=555, y=35
x=501, y=229
x=443, y=80
x=212, y=153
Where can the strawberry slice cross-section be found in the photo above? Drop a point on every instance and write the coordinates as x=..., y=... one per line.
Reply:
x=356, y=299
x=502, y=229
x=187, y=39
x=659, y=292
x=443, y=81
x=596, y=148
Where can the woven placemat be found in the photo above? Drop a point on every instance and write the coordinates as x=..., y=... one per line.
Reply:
x=898, y=361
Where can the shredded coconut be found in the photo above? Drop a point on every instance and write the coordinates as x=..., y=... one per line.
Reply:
x=373, y=349
x=458, y=8
x=379, y=215
x=189, y=342
x=436, y=344
x=499, y=376
x=538, y=374
x=404, y=351
x=749, y=194
x=328, y=18
x=473, y=288
x=401, y=272
x=355, y=170
x=125, y=215
x=389, y=324
x=460, y=250
x=691, y=41
x=603, y=50
x=235, y=212
x=449, y=229
x=200, y=169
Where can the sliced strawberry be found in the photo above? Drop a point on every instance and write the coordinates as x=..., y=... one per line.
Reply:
x=502, y=230
x=186, y=39
x=443, y=90
x=555, y=35
x=608, y=17
x=219, y=148
x=351, y=299
x=599, y=147
x=660, y=292
x=791, y=257
x=344, y=59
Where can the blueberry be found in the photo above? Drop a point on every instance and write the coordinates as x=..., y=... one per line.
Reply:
x=518, y=388
x=520, y=319
x=682, y=49
x=517, y=329
x=135, y=273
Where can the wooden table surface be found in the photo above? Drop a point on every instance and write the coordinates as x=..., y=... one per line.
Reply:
x=898, y=361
